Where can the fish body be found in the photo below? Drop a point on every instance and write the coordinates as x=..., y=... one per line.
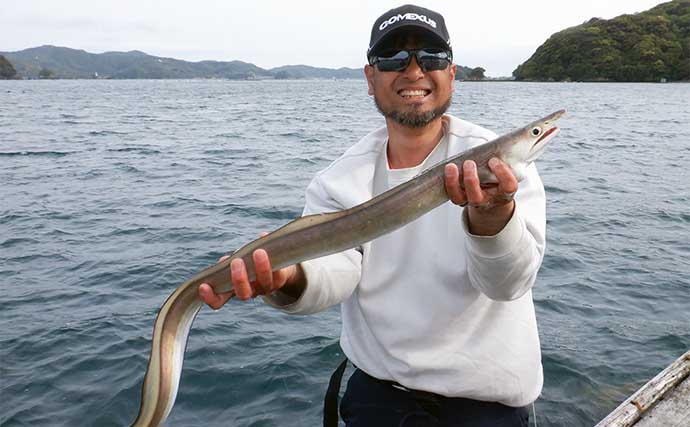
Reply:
x=319, y=235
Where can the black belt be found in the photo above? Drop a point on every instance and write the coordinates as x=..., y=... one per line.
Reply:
x=429, y=401
x=330, y=402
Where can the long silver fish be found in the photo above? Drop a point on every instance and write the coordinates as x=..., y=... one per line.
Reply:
x=315, y=236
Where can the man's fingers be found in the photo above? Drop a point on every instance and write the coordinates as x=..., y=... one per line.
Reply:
x=242, y=288
x=211, y=298
x=265, y=279
x=491, y=194
x=264, y=275
x=507, y=183
x=240, y=280
x=280, y=277
x=452, y=182
x=473, y=189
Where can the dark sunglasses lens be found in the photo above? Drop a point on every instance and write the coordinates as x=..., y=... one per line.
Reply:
x=398, y=60
x=433, y=60
x=393, y=60
x=433, y=64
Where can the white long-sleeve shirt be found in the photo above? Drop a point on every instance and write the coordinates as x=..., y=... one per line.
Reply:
x=431, y=306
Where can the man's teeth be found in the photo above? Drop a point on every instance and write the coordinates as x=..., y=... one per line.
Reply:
x=412, y=93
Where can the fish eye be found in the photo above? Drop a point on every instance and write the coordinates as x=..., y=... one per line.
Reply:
x=536, y=131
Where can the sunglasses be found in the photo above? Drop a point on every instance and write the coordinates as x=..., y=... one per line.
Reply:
x=399, y=59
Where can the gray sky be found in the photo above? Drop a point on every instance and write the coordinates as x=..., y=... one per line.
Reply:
x=496, y=35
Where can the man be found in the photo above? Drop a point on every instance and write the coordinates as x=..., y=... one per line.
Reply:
x=437, y=316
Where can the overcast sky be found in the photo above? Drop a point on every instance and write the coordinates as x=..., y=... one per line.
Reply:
x=496, y=35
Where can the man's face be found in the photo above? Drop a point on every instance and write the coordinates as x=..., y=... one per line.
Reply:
x=411, y=97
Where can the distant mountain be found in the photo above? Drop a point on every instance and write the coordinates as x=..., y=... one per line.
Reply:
x=307, y=72
x=66, y=63
x=648, y=46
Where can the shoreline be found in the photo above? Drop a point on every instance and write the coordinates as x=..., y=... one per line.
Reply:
x=498, y=80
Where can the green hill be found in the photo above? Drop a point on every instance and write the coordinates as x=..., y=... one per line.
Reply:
x=7, y=71
x=644, y=47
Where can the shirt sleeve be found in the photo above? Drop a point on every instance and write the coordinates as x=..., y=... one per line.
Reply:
x=330, y=279
x=504, y=266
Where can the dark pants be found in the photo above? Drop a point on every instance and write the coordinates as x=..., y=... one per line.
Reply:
x=369, y=402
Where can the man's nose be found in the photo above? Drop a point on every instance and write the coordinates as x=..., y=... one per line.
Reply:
x=413, y=70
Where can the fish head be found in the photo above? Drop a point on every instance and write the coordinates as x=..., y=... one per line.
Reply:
x=526, y=144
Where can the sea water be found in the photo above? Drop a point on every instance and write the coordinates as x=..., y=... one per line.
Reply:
x=112, y=193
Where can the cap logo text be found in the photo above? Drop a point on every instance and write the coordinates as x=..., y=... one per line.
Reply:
x=409, y=16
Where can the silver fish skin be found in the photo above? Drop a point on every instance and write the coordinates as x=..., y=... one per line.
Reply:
x=319, y=235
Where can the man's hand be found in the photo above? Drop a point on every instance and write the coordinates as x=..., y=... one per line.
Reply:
x=490, y=207
x=210, y=297
x=290, y=279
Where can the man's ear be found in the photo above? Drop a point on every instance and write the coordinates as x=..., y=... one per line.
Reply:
x=369, y=73
x=453, y=70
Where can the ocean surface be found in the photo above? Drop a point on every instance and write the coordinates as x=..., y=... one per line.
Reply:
x=114, y=192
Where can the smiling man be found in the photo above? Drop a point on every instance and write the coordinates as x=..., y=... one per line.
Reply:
x=437, y=316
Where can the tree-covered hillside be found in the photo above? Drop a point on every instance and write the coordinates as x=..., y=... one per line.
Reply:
x=650, y=46
x=7, y=71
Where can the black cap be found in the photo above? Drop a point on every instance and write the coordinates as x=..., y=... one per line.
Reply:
x=408, y=16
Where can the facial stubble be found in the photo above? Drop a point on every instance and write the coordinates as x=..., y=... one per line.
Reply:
x=413, y=118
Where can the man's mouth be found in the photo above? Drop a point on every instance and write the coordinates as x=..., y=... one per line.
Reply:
x=413, y=93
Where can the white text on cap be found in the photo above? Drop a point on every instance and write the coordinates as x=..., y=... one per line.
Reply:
x=410, y=16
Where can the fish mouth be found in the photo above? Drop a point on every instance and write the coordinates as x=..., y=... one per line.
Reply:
x=546, y=134
x=541, y=143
